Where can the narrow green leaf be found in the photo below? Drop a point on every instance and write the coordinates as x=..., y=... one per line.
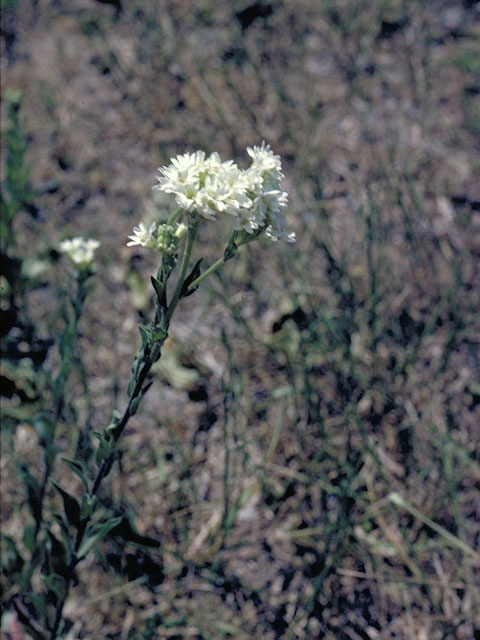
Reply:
x=145, y=334
x=131, y=385
x=134, y=405
x=137, y=364
x=57, y=584
x=158, y=334
x=34, y=493
x=193, y=275
x=104, y=449
x=157, y=285
x=37, y=600
x=78, y=468
x=57, y=553
x=70, y=505
x=28, y=538
x=96, y=533
x=64, y=530
x=87, y=506
x=146, y=388
x=231, y=248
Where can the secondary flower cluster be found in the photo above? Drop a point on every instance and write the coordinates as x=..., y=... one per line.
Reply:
x=253, y=197
x=165, y=237
x=80, y=251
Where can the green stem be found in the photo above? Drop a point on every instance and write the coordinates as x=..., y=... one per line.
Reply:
x=174, y=216
x=191, y=233
x=150, y=359
x=69, y=334
x=102, y=472
x=216, y=265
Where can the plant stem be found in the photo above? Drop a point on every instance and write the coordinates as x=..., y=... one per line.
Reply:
x=216, y=265
x=150, y=358
x=191, y=233
x=104, y=467
x=174, y=216
x=69, y=334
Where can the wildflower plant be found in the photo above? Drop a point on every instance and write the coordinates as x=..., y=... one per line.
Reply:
x=204, y=189
x=80, y=252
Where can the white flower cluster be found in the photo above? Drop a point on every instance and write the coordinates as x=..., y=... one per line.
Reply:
x=165, y=237
x=80, y=251
x=253, y=197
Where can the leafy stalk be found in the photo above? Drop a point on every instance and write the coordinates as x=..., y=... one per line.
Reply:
x=67, y=340
x=148, y=355
x=192, y=231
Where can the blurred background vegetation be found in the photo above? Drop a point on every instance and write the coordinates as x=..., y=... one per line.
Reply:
x=306, y=383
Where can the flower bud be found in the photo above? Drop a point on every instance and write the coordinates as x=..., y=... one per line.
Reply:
x=168, y=237
x=180, y=231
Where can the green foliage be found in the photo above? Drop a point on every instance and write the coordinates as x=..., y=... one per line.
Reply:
x=79, y=468
x=12, y=560
x=468, y=61
x=9, y=5
x=96, y=533
x=16, y=190
x=70, y=506
x=20, y=366
x=187, y=289
x=34, y=493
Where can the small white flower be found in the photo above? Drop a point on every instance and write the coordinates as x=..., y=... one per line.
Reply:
x=164, y=237
x=208, y=187
x=268, y=200
x=142, y=236
x=280, y=234
x=265, y=162
x=222, y=192
x=80, y=251
x=182, y=178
